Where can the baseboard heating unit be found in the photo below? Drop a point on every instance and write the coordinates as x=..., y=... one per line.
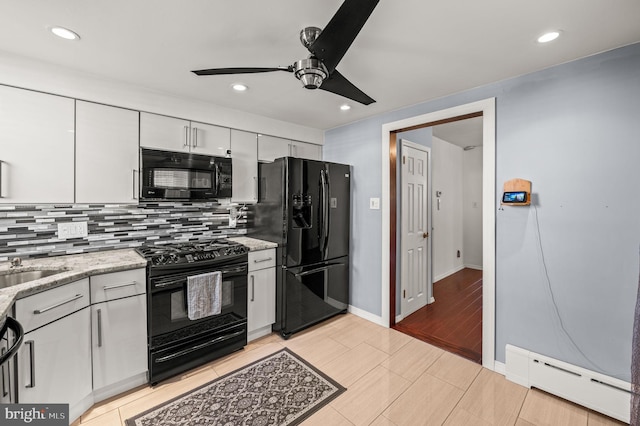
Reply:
x=607, y=395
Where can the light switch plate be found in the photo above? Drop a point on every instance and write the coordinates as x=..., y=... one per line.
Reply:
x=67, y=230
x=374, y=203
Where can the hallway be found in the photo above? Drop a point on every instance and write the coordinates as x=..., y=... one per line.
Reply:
x=454, y=321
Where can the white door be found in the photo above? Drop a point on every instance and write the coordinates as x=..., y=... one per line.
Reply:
x=416, y=268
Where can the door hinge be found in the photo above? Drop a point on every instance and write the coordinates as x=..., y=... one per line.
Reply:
x=404, y=294
x=404, y=159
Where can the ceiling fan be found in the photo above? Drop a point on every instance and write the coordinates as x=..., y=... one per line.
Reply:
x=326, y=47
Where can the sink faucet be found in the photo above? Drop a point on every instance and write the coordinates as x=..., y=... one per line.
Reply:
x=16, y=261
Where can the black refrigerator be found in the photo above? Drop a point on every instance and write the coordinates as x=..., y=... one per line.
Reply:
x=304, y=206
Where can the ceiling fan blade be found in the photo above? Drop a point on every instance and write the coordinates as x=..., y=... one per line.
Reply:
x=221, y=71
x=336, y=38
x=336, y=83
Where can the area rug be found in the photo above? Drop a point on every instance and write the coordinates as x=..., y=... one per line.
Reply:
x=280, y=389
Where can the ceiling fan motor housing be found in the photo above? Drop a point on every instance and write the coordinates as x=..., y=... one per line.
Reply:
x=311, y=72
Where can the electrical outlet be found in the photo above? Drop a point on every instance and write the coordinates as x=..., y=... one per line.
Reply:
x=458, y=253
x=68, y=230
x=232, y=221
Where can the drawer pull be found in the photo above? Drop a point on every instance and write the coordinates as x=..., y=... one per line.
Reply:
x=111, y=287
x=266, y=259
x=64, y=302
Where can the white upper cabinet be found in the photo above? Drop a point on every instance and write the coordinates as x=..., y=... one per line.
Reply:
x=210, y=140
x=271, y=147
x=173, y=134
x=306, y=150
x=106, y=154
x=36, y=147
x=244, y=155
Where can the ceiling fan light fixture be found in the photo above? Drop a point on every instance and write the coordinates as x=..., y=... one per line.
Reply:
x=548, y=36
x=64, y=33
x=239, y=87
x=311, y=72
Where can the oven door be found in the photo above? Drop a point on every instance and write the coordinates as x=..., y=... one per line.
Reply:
x=168, y=315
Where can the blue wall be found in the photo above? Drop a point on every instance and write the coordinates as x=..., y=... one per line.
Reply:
x=566, y=267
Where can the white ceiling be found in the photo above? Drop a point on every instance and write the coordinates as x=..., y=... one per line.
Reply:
x=408, y=52
x=462, y=133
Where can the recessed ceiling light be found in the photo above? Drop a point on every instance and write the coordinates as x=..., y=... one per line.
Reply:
x=239, y=87
x=64, y=33
x=345, y=107
x=547, y=37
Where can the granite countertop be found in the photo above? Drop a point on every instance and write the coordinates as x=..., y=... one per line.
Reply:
x=254, y=244
x=75, y=267
x=71, y=267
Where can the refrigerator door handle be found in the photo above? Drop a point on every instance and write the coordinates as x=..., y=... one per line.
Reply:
x=324, y=205
x=316, y=270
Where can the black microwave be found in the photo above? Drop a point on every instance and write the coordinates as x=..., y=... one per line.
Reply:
x=167, y=175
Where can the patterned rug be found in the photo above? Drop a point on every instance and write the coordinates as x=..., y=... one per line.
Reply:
x=280, y=389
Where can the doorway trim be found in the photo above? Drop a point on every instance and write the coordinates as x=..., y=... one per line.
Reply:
x=486, y=109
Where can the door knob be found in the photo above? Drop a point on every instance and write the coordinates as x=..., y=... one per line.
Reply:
x=425, y=235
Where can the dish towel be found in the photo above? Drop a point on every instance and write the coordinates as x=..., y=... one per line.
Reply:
x=203, y=295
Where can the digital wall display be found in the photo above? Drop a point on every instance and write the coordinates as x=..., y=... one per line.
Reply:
x=514, y=197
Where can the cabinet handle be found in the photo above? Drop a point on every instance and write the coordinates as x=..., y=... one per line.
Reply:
x=255, y=179
x=111, y=287
x=253, y=288
x=41, y=311
x=133, y=183
x=262, y=260
x=194, y=133
x=32, y=363
x=99, y=328
x=186, y=136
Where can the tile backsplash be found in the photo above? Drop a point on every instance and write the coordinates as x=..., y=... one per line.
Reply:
x=32, y=230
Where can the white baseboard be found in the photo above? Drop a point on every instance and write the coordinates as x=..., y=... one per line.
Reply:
x=499, y=368
x=479, y=268
x=446, y=274
x=607, y=395
x=377, y=319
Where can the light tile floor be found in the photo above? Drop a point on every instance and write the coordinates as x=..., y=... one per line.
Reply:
x=391, y=379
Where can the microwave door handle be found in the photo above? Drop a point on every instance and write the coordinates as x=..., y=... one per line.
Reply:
x=217, y=179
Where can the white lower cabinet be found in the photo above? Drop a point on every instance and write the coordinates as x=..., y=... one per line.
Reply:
x=261, y=305
x=78, y=353
x=54, y=361
x=119, y=344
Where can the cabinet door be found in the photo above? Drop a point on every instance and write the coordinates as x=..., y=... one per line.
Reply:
x=309, y=151
x=271, y=147
x=261, y=308
x=164, y=133
x=106, y=154
x=54, y=363
x=210, y=140
x=36, y=140
x=244, y=154
x=119, y=339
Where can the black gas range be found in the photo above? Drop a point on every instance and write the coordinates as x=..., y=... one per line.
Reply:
x=176, y=342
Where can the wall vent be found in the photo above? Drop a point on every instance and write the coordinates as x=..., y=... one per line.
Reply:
x=607, y=395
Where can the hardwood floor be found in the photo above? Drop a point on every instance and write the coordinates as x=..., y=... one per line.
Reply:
x=454, y=321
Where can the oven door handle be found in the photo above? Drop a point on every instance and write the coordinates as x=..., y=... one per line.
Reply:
x=170, y=283
x=200, y=346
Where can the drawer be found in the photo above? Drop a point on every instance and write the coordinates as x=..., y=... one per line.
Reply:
x=117, y=285
x=48, y=306
x=262, y=259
